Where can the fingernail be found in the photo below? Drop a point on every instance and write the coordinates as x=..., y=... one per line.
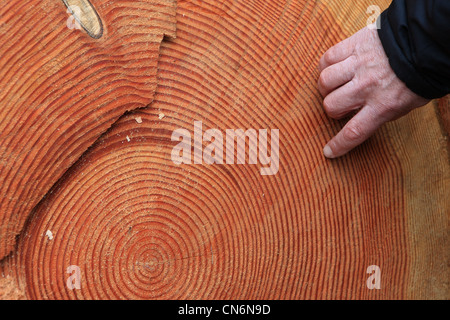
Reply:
x=327, y=152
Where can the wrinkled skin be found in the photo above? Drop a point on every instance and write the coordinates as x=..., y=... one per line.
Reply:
x=355, y=75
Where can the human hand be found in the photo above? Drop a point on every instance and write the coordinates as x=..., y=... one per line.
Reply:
x=356, y=74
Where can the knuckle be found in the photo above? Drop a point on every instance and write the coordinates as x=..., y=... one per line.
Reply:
x=354, y=60
x=322, y=63
x=353, y=64
x=328, y=56
x=352, y=133
x=353, y=85
x=389, y=111
x=324, y=79
x=385, y=110
x=363, y=84
x=328, y=105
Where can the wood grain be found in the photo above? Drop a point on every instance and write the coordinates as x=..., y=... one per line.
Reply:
x=141, y=227
x=60, y=90
x=443, y=110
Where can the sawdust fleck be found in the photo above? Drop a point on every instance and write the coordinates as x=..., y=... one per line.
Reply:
x=49, y=234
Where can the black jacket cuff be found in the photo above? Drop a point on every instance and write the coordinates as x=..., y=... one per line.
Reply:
x=402, y=66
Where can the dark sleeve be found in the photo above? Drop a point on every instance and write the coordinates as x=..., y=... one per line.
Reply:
x=416, y=38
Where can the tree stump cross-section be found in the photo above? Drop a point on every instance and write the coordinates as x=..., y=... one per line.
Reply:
x=136, y=225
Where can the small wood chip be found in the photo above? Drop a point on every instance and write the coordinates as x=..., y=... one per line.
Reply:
x=138, y=119
x=128, y=139
x=49, y=234
x=161, y=116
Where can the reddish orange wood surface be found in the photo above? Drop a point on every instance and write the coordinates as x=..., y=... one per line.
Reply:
x=141, y=227
x=61, y=89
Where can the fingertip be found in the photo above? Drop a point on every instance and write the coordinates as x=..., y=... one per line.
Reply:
x=328, y=153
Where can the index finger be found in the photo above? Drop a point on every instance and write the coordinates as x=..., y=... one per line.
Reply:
x=356, y=131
